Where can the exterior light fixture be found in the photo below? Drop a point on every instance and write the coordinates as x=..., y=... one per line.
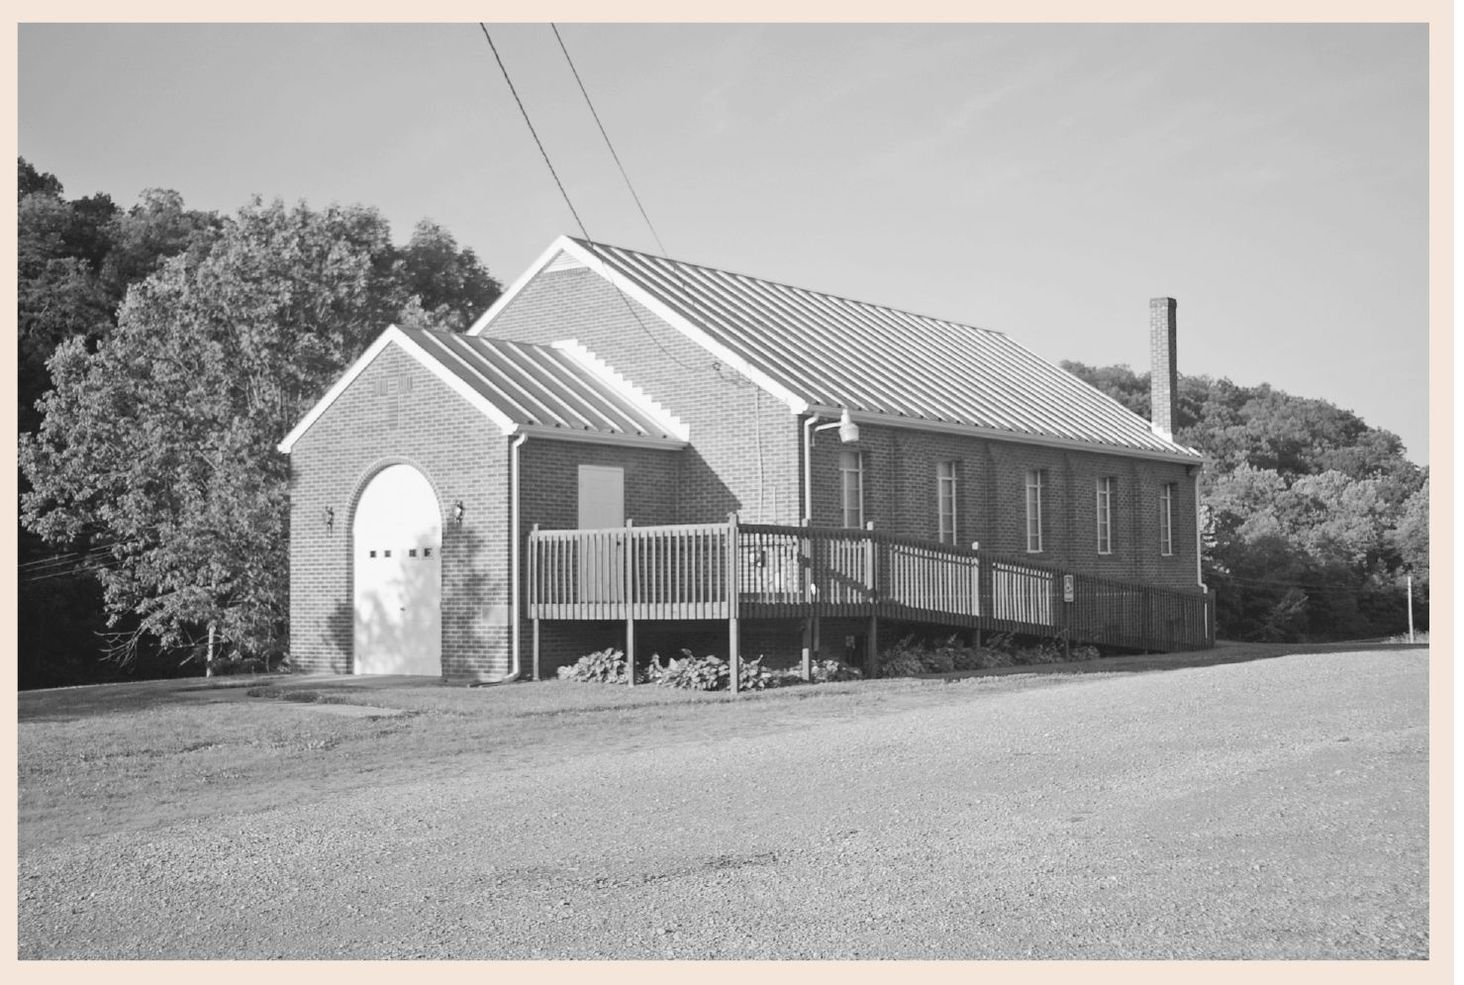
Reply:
x=329, y=518
x=457, y=513
x=848, y=430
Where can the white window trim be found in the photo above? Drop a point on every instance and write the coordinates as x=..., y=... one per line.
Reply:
x=1034, y=516
x=946, y=476
x=857, y=458
x=1104, y=509
x=1166, y=519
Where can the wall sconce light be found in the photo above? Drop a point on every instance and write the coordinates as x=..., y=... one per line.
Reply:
x=329, y=518
x=457, y=513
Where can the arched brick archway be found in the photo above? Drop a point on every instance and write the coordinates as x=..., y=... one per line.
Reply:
x=397, y=560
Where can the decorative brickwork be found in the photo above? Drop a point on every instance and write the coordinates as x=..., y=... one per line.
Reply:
x=462, y=455
x=744, y=455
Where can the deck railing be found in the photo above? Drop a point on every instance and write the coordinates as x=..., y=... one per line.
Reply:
x=688, y=572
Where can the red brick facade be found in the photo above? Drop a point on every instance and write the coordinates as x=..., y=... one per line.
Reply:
x=745, y=455
x=900, y=469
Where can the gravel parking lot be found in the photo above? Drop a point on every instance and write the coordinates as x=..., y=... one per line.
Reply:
x=1272, y=809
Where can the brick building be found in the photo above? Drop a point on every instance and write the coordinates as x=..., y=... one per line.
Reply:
x=608, y=386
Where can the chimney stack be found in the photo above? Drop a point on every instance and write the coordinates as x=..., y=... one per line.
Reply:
x=1163, y=370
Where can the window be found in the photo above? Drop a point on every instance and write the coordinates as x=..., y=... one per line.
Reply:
x=1105, y=515
x=1166, y=519
x=1035, y=481
x=945, y=483
x=851, y=484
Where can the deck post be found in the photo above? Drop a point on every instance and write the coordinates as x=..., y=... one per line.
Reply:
x=534, y=599
x=871, y=635
x=733, y=645
x=629, y=595
x=810, y=619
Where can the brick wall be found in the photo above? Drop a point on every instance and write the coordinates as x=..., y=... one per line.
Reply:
x=745, y=445
x=900, y=490
x=548, y=496
x=395, y=411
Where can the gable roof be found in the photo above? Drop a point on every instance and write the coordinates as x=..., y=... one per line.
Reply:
x=554, y=391
x=823, y=354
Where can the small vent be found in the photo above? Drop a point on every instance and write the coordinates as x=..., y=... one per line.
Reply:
x=565, y=261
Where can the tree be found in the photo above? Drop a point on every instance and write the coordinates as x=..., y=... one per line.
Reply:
x=160, y=442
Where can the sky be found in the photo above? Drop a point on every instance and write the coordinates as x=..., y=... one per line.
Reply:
x=1044, y=180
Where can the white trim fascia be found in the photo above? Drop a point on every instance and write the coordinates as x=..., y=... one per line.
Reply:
x=633, y=290
x=394, y=335
x=602, y=437
x=631, y=393
x=458, y=385
x=972, y=430
x=346, y=379
x=559, y=244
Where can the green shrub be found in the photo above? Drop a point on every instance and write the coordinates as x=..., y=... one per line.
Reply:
x=1085, y=652
x=1045, y=652
x=826, y=671
x=712, y=673
x=601, y=667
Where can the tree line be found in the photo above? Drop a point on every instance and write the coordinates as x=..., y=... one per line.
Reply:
x=164, y=351
x=1312, y=522
x=163, y=354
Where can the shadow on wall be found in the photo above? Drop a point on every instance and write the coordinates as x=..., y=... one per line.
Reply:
x=702, y=496
x=406, y=628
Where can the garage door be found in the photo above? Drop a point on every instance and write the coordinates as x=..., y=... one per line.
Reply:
x=397, y=534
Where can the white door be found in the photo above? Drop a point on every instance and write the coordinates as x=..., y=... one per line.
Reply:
x=601, y=497
x=397, y=533
x=601, y=505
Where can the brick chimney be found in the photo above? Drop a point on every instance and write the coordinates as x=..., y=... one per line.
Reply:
x=1163, y=370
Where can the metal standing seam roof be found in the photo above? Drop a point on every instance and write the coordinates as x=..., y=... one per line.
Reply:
x=539, y=385
x=836, y=352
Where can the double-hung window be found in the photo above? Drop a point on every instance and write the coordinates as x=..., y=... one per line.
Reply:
x=1035, y=482
x=1166, y=519
x=1105, y=515
x=945, y=491
x=851, y=485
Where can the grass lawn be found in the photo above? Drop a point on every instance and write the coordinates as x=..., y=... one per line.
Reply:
x=131, y=757
x=1275, y=808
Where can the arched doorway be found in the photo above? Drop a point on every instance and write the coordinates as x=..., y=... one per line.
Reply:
x=397, y=533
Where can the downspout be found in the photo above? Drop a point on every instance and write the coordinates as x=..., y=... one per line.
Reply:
x=515, y=553
x=514, y=575
x=1199, y=540
x=808, y=423
x=1200, y=561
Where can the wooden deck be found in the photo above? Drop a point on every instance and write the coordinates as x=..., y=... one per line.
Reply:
x=731, y=571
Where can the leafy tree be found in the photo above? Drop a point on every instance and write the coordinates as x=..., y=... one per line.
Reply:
x=156, y=228
x=31, y=180
x=1311, y=519
x=452, y=285
x=160, y=442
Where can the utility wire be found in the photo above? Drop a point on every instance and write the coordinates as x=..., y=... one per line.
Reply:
x=549, y=164
x=608, y=144
x=578, y=221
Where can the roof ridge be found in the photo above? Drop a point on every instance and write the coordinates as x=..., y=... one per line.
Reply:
x=593, y=245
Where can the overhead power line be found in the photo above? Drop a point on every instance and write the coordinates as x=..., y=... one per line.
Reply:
x=530, y=124
x=563, y=192
x=608, y=144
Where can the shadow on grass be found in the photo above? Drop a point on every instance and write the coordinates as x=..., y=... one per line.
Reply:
x=70, y=703
x=1223, y=653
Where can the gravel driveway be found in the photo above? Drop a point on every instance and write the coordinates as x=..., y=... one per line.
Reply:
x=1274, y=809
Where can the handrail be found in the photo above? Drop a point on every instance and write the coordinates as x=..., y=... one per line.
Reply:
x=687, y=571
